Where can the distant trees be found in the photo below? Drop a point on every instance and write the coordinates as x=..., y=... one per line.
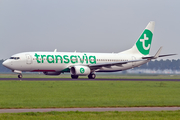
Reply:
x=162, y=65
x=3, y=69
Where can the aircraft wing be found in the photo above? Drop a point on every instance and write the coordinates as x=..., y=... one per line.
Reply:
x=97, y=66
x=152, y=57
x=157, y=55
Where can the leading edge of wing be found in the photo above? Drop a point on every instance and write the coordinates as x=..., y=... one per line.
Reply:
x=113, y=63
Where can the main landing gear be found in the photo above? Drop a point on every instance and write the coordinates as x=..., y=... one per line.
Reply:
x=92, y=76
x=74, y=76
x=20, y=76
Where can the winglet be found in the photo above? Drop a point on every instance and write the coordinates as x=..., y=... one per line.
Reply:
x=157, y=55
x=158, y=52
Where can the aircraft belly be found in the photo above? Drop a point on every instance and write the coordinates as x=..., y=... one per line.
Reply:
x=46, y=67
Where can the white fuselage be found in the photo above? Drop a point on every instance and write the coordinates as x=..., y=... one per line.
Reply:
x=61, y=61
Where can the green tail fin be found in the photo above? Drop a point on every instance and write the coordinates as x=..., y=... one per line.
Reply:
x=144, y=42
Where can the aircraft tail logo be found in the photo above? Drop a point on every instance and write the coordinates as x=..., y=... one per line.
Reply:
x=144, y=42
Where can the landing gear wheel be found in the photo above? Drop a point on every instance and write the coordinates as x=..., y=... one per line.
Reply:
x=92, y=76
x=20, y=76
x=74, y=76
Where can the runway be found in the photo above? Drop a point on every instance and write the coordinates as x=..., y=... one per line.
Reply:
x=85, y=79
x=90, y=109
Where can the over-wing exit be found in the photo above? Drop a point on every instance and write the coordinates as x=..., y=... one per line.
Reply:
x=85, y=64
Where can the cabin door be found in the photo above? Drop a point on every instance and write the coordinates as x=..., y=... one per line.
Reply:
x=28, y=59
x=133, y=63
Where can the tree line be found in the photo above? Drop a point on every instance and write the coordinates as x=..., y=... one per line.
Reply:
x=153, y=65
x=3, y=69
x=162, y=65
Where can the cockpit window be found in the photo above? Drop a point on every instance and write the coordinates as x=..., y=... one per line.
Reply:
x=15, y=58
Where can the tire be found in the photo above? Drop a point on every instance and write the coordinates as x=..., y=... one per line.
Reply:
x=74, y=76
x=20, y=76
x=92, y=76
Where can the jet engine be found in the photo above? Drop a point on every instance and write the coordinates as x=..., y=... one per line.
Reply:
x=52, y=73
x=80, y=70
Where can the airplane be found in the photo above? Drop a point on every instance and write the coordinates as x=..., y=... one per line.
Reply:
x=83, y=63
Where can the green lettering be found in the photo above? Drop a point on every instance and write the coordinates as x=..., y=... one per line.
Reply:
x=50, y=56
x=86, y=58
x=42, y=58
x=72, y=60
x=92, y=59
x=81, y=60
x=58, y=56
x=37, y=56
x=66, y=60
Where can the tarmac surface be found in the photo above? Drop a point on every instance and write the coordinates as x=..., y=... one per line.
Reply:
x=90, y=109
x=85, y=79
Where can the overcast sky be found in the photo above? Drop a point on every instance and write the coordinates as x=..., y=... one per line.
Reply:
x=87, y=25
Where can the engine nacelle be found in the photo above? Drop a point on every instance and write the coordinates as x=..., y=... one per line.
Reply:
x=80, y=70
x=52, y=73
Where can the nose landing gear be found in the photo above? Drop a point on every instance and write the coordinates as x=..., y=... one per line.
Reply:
x=20, y=76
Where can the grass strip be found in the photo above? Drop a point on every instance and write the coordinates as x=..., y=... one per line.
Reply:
x=98, y=76
x=62, y=94
x=145, y=115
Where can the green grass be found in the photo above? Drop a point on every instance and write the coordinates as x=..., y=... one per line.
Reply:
x=102, y=76
x=153, y=115
x=43, y=94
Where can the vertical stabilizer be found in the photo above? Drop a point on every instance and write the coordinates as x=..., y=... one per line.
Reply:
x=143, y=44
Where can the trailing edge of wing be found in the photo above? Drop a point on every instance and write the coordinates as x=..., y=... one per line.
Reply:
x=96, y=66
x=157, y=55
x=152, y=57
x=166, y=55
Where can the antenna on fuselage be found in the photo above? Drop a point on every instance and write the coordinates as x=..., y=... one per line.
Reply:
x=55, y=50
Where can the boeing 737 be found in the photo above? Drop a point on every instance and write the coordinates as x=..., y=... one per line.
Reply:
x=85, y=64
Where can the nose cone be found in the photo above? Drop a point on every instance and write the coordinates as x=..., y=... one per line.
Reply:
x=7, y=64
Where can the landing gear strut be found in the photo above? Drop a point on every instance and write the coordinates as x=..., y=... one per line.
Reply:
x=20, y=76
x=92, y=76
x=74, y=76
